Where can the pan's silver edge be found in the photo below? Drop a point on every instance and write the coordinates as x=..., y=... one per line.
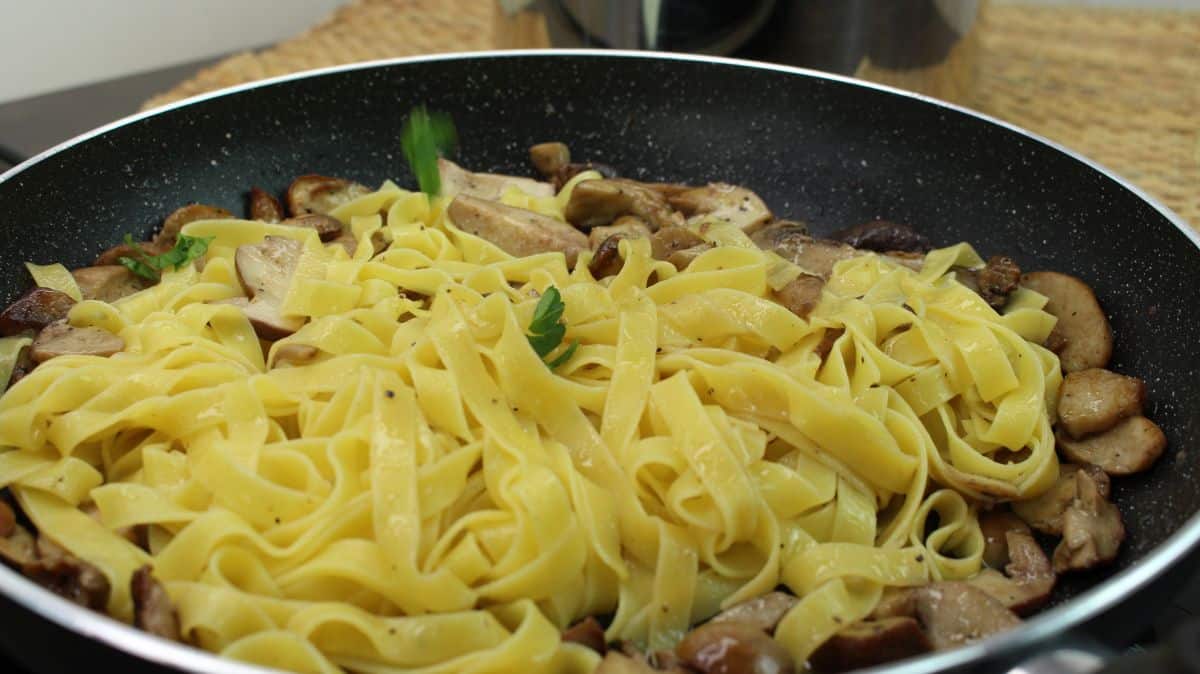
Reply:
x=1042, y=627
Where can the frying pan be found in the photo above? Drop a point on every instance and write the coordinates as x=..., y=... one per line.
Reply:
x=824, y=149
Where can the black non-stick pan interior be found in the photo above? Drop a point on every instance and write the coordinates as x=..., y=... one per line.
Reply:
x=828, y=152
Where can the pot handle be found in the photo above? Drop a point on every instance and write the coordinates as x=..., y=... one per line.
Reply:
x=1179, y=654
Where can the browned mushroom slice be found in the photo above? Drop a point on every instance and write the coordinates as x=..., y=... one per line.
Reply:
x=327, y=227
x=995, y=526
x=1045, y=512
x=606, y=260
x=516, y=231
x=883, y=236
x=763, y=612
x=182, y=216
x=22, y=367
x=791, y=242
x=627, y=225
x=825, y=346
x=68, y=576
x=1092, y=528
x=569, y=171
x=112, y=256
x=997, y=280
x=1133, y=445
x=265, y=270
x=458, y=181
x=153, y=611
x=1082, y=327
x=550, y=158
x=735, y=205
x=955, y=613
x=34, y=310
x=321, y=194
x=870, y=643
x=1028, y=578
x=62, y=339
x=1094, y=400
x=594, y=203
x=263, y=206
x=587, y=632
x=801, y=295
x=670, y=240
x=732, y=647
x=107, y=283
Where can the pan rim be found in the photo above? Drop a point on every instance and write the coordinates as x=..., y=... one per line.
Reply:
x=1037, y=630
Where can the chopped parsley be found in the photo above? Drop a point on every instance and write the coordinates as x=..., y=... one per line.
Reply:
x=546, y=330
x=425, y=137
x=150, y=267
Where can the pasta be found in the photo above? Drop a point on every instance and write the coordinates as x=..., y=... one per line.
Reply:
x=426, y=495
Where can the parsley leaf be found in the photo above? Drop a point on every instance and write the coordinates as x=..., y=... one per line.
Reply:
x=547, y=330
x=186, y=249
x=424, y=138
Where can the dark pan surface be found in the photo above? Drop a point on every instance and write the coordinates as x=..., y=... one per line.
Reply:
x=825, y=151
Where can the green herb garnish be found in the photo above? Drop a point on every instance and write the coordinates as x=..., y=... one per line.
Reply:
x=187, y=248
x=425, y=137
x=547, y=329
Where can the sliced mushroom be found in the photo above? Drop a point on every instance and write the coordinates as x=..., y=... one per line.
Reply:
x=62, y=339
x=516, y=231
x=68, y=576
x=112, y=256
x=327, y=227
x=997, y=280
x=22, y=367
x=735, y=205
x=955, y=613
x=1082, y=327
x=569, y=171
x=870, y=643
x=263, y=206
x=995, y=526
x=550, y=158
x=595, y=203
x=169, y=232
x=668, y=241
x=792, y=242
x=107, y=283
x=1092, y=528
x=265, y=270
x=627, y=225
x=587, y=632
x=34, y=310
x=763, y=612
x=1094, y=400
x=825, y=346
x=896, y=602
x=153, y=611
x=884, y=236
x=1133, y=445
x=606, y=260
x=1045, y=512
x=350, y=244
x=321, y=194
x=801, y=295
x=1028, y=578
x=733, y=648
x=458, y=181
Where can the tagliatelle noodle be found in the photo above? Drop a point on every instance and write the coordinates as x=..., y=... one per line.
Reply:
x=426, y=495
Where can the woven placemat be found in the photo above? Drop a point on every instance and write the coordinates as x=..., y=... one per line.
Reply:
x=1120, y=86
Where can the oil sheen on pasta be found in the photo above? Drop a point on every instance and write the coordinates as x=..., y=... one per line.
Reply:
x=426, y=495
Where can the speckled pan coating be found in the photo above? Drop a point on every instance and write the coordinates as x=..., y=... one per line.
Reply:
x=824, y=151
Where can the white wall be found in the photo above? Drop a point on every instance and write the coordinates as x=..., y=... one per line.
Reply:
x=46, y=45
